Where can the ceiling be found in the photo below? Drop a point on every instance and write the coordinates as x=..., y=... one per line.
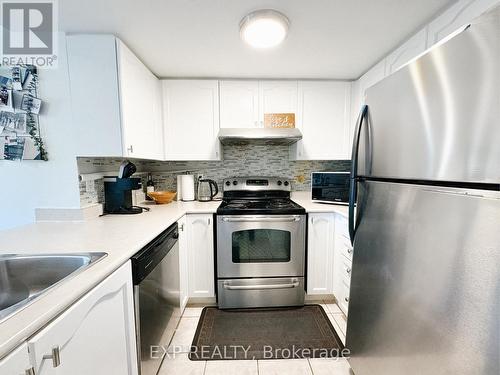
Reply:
x=338, y=39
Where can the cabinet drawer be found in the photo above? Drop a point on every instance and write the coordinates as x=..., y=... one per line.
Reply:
x=344, y=246
x=260, y=292
x=345, y=270
x=343, y=299
x=347, y=251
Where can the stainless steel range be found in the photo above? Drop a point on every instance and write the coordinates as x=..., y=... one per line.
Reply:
x=260, y=244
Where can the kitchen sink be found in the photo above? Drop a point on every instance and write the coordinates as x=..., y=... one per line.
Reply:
x=23, y=278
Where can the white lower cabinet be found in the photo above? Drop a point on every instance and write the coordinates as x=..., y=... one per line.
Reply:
x=342, y=263
x=329, y=257
x=183, y=262
x=95, y=336
x=17, y=362
x=200, y=243
x=320, y=253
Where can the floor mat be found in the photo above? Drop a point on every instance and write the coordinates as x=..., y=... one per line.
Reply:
x=273, y=333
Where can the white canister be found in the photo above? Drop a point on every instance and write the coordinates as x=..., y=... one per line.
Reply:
x=179, y=188
x=187, y=187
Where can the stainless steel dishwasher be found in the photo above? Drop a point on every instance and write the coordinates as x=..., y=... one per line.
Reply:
x=157, y=298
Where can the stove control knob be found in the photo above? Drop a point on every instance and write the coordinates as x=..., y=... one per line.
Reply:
x=279, y=183
x=286, y=183
x=228, y=183
x=235, y=182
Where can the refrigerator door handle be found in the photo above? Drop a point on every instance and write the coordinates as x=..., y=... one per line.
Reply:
x=353, y=189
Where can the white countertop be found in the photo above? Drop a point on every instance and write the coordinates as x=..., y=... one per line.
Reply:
x=304, y=199
x=120, y=236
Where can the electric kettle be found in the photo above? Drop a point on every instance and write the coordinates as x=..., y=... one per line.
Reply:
x=207, y=190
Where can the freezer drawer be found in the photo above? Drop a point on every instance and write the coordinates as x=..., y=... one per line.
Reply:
x=262, y=292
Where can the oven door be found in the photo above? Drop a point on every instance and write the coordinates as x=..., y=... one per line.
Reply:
x=260, y=245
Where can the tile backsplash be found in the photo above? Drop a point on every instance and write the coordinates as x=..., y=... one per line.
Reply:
x=248, y=160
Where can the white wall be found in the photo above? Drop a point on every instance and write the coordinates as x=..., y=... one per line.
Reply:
x=27, y=185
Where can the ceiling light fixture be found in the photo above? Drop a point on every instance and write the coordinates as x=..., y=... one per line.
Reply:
x=264, y=28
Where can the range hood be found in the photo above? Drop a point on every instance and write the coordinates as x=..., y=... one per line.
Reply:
x=259, y=136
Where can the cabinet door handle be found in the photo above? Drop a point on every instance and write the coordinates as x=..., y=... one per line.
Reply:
x=55, y=356
x=130, y=149
x=349, y=250
x=208, y=221
x=30, y=371
x=348, y=270
x=346, y=299
x=181, y=227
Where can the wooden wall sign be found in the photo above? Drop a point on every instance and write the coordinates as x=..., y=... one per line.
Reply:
x=279, y=120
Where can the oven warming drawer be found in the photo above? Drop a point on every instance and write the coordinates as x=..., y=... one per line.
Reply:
x=260, y=292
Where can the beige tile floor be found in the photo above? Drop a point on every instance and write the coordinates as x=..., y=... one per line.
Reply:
x=183, y=337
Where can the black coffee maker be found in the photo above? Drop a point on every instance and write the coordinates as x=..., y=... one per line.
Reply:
x=118, y=191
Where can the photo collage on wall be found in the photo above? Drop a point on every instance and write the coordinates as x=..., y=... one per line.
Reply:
x=20, y=137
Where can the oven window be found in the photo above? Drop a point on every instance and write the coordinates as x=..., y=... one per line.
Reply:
x=261, y=246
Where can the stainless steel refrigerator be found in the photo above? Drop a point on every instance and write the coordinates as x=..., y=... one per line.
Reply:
x=425, y=287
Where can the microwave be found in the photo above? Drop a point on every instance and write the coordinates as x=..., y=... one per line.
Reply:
x=330, y=187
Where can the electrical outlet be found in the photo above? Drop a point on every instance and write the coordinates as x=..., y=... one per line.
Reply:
x=301, y=179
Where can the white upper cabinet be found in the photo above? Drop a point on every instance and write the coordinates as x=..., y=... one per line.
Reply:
x=140, y=103
x=191, y=119
x=17, y=362
x=239, y=104
x=459, y=14
x=95, y=336
x=115, y=99
x=277, y=97
x=323, y=116
x=406, y=52
x=243, y=103
x=371, y=77
x=456, y=16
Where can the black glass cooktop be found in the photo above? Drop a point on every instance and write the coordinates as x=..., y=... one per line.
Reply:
x=278, y=206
